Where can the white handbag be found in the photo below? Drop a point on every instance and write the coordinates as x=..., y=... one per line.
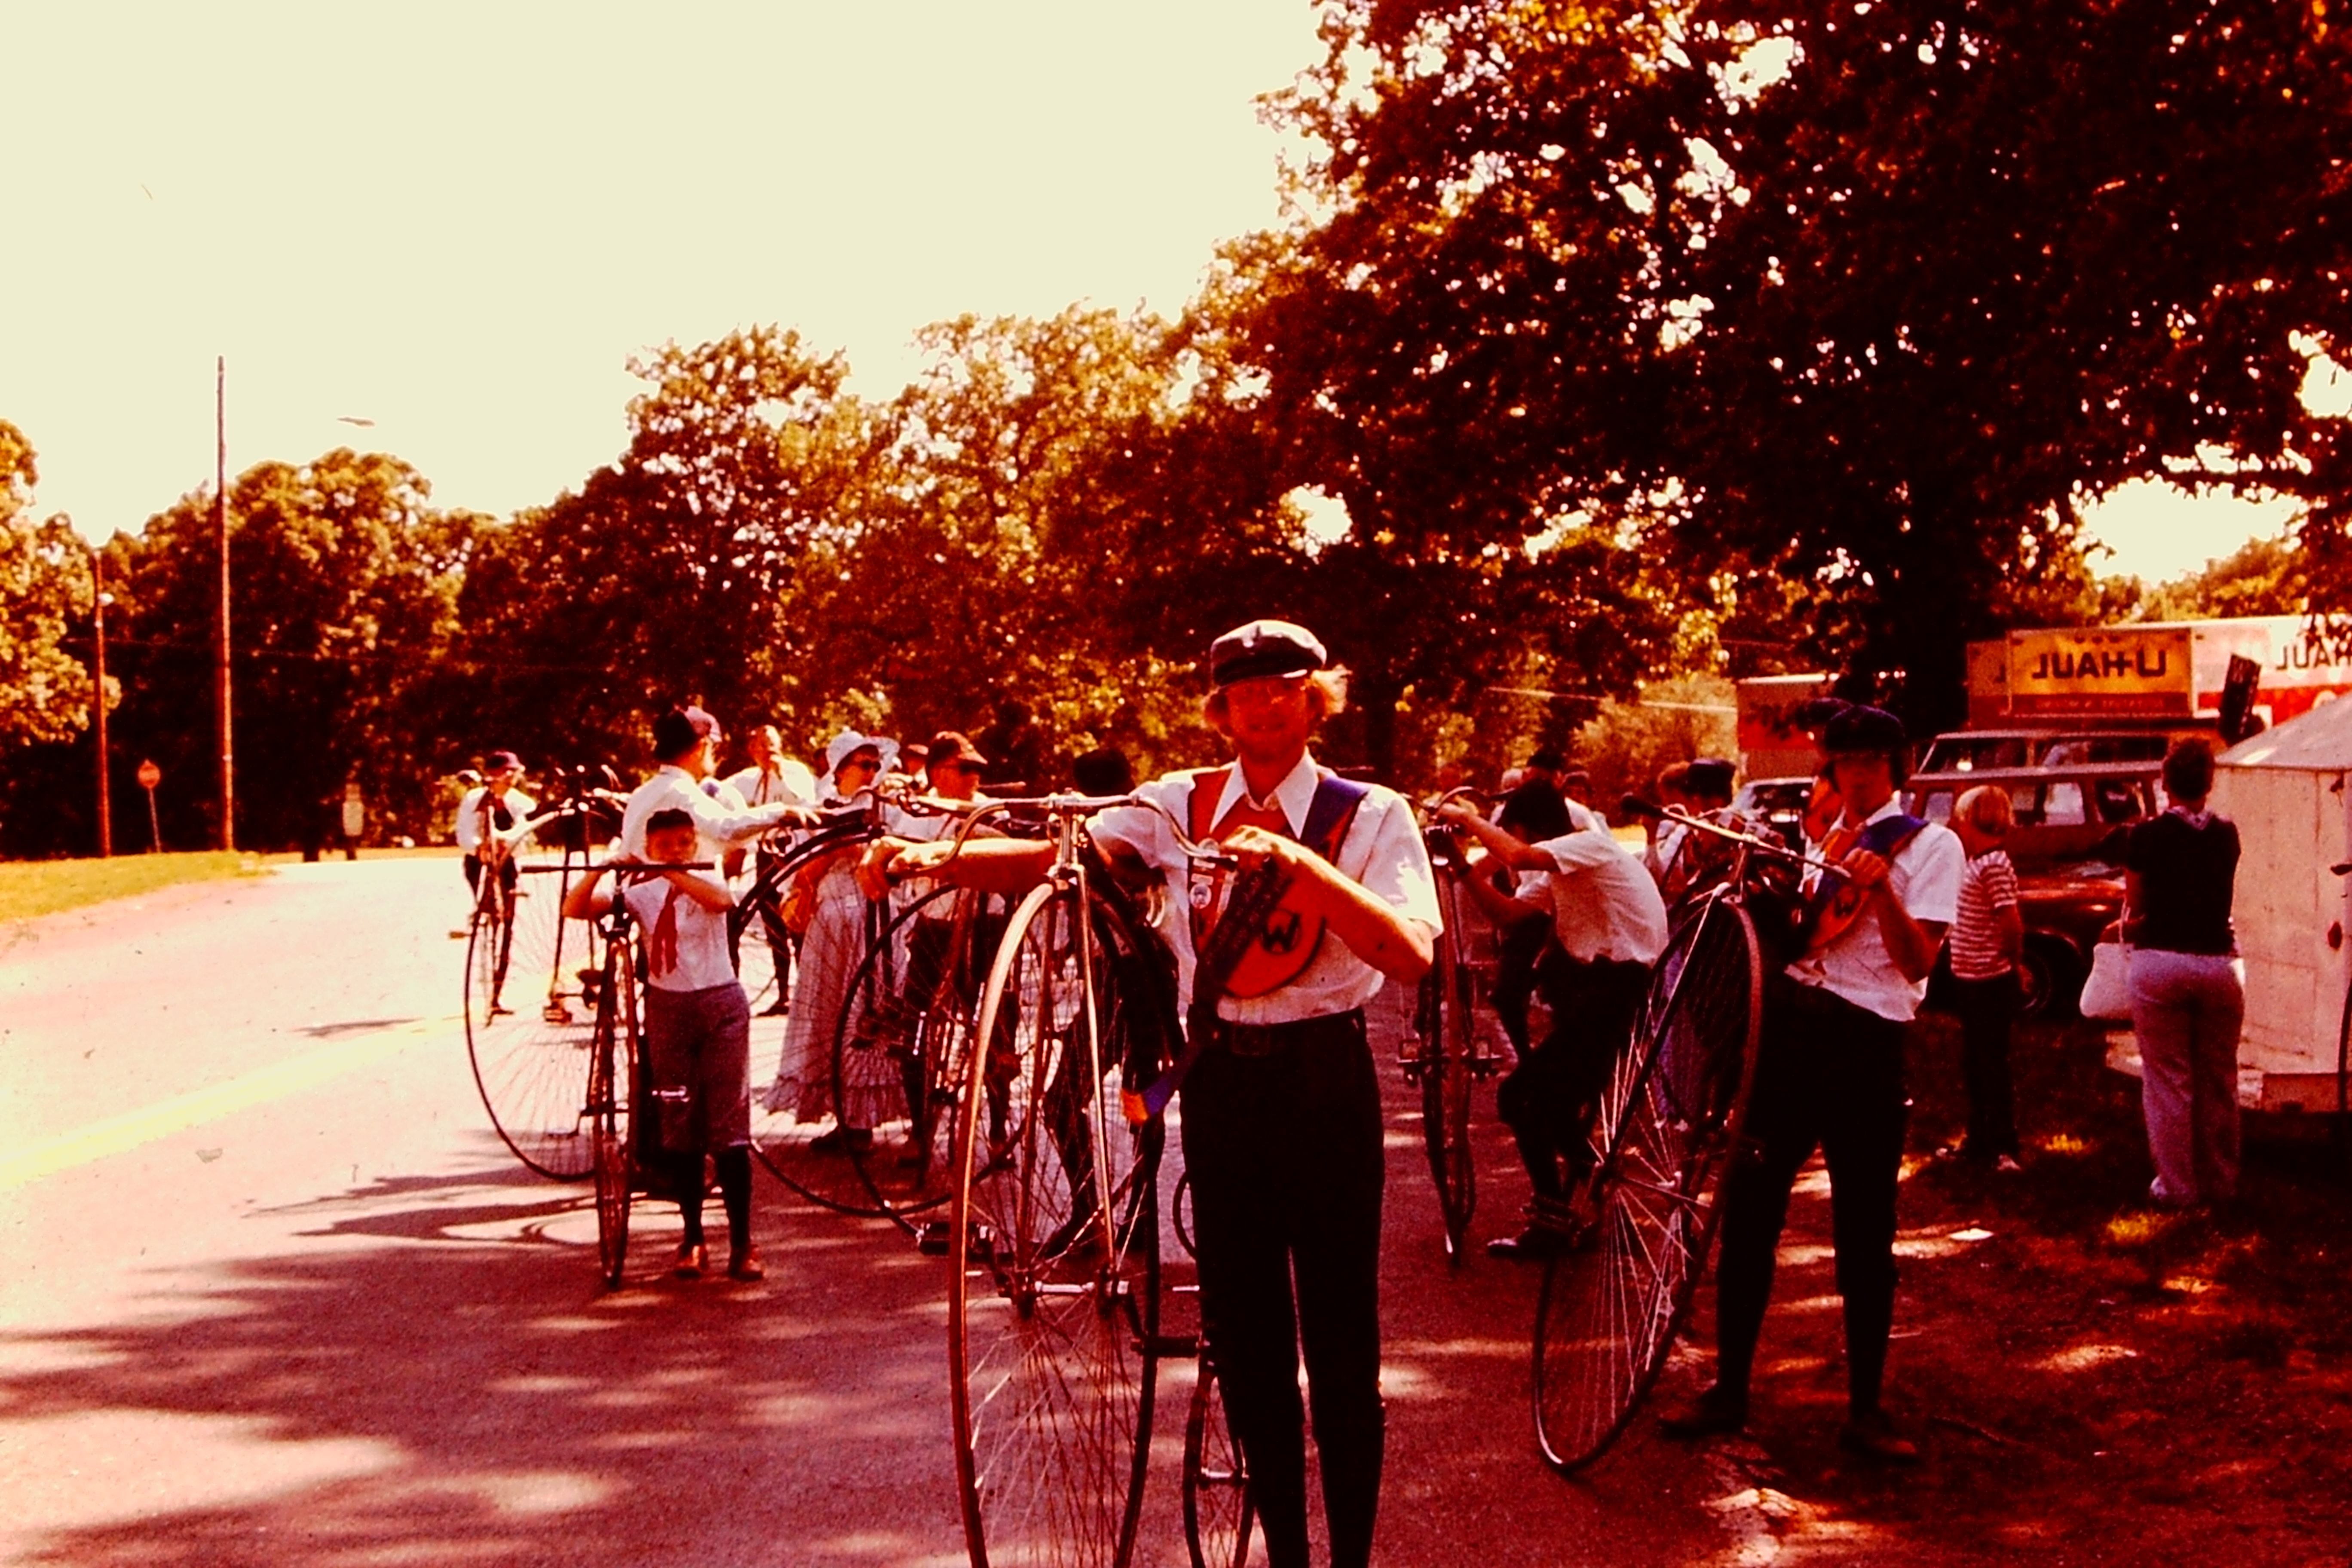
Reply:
x=2107, y=993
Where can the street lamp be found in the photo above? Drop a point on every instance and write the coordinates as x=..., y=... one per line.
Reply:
x=99, y=599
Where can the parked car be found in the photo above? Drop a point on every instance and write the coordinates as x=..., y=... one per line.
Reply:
x=1779, y=804
x=2068, y=888
x=1974, y=750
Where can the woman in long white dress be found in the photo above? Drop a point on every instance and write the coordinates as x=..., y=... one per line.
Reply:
x=830, y=947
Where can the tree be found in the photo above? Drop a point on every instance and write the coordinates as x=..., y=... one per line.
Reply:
x=344, y=589
x=1862, y=297
x=45, y=591
x=696, y=567
x=2263, y=577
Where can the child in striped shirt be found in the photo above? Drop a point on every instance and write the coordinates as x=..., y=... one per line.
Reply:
x=1988, y=938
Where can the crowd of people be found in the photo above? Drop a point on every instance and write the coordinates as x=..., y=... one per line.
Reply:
x=1281, y=1123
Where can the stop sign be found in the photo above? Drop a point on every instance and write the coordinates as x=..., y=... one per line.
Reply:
x=150, y=775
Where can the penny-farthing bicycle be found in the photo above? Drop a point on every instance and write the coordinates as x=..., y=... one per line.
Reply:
x=618, y=1112
x=902, y=1048
x=1452, y=1047
x=530, y=980
x=1668, y=1127
x=1053, y=1230
x=796, y=1130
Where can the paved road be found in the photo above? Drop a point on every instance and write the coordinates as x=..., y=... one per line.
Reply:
x=277, y=1295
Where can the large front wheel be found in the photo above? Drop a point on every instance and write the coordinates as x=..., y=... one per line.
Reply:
x=1668, y=1125
x=531, y=977
x=1053, y=1252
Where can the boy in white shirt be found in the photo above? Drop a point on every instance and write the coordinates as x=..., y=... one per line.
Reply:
x=697, y=1034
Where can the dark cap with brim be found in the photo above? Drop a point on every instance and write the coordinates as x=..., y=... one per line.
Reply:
x=1864, y=732
x=952, y=746
x=499, y=762
x=1265, y=648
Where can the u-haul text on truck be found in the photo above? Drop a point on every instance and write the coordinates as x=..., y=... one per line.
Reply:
x=2162, y=670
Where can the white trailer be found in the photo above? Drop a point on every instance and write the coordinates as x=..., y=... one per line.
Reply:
x=2285, y=789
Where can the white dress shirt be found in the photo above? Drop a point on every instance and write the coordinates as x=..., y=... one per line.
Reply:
x=469, y=814
x=703, y=961
x=1381, y=851
x=1926, y=875
x=788, y=783
x=1602, y=901
x=721, y=826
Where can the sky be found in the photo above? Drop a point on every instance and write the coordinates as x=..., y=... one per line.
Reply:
x=459, y=223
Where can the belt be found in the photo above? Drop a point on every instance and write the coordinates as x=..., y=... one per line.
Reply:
x=1264, y=1039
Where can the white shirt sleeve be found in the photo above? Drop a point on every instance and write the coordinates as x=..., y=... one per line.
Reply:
x=1396, y=868
x=1928, y=873
x=469, y=820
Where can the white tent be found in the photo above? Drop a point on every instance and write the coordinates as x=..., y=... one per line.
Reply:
x=2284, y=788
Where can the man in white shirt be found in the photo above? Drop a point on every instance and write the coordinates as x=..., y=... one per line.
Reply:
x=486, y=815
x=1282, y=1106
x=686, y=743
x=772, y=778
x=1829, y=1075
x=1609, y=925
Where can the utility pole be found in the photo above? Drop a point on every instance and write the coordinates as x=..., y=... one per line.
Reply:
x=220, y=659
x=98, y=704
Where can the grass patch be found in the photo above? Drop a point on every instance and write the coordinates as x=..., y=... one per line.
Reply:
x=31, y=888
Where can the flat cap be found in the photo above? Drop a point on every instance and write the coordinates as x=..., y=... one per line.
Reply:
x=1263, y=648
x=1864, y=731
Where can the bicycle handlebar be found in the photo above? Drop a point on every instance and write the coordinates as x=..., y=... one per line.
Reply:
x=1771, y=846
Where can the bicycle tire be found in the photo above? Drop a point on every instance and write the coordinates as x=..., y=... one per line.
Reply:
x=1218, y=1513
x=530, y=980
x=612, y=1104
x=1446, y=1022
x=1053, y=1254
x=811, y=1154
x=903, y=1044
x=1670, y=1119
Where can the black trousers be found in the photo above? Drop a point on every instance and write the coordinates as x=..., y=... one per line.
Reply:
x=1548, y=1100
x=1986, y=1009
x=1516, y=954
x=1286, y=1160
x=1829, y=1075
x=508, y=874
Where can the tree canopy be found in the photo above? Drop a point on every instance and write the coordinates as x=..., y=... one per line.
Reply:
x=44, y=592
x=1863, y=297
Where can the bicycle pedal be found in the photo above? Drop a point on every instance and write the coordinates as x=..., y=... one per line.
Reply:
x=1176, y=1347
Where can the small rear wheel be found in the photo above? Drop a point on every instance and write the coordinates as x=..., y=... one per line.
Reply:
x=1669, y=1120
x=1218, y=1515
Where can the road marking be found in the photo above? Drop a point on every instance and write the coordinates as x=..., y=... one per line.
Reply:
x=133, y=1128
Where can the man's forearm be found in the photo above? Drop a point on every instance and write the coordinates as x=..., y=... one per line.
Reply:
x=1399, y=948
x=1912, y=945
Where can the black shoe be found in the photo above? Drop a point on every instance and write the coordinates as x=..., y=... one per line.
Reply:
x=1715, y=1413
x=1873, y=1435
x=842, y=1141
x=1533, y=1244
x=776, y=1009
